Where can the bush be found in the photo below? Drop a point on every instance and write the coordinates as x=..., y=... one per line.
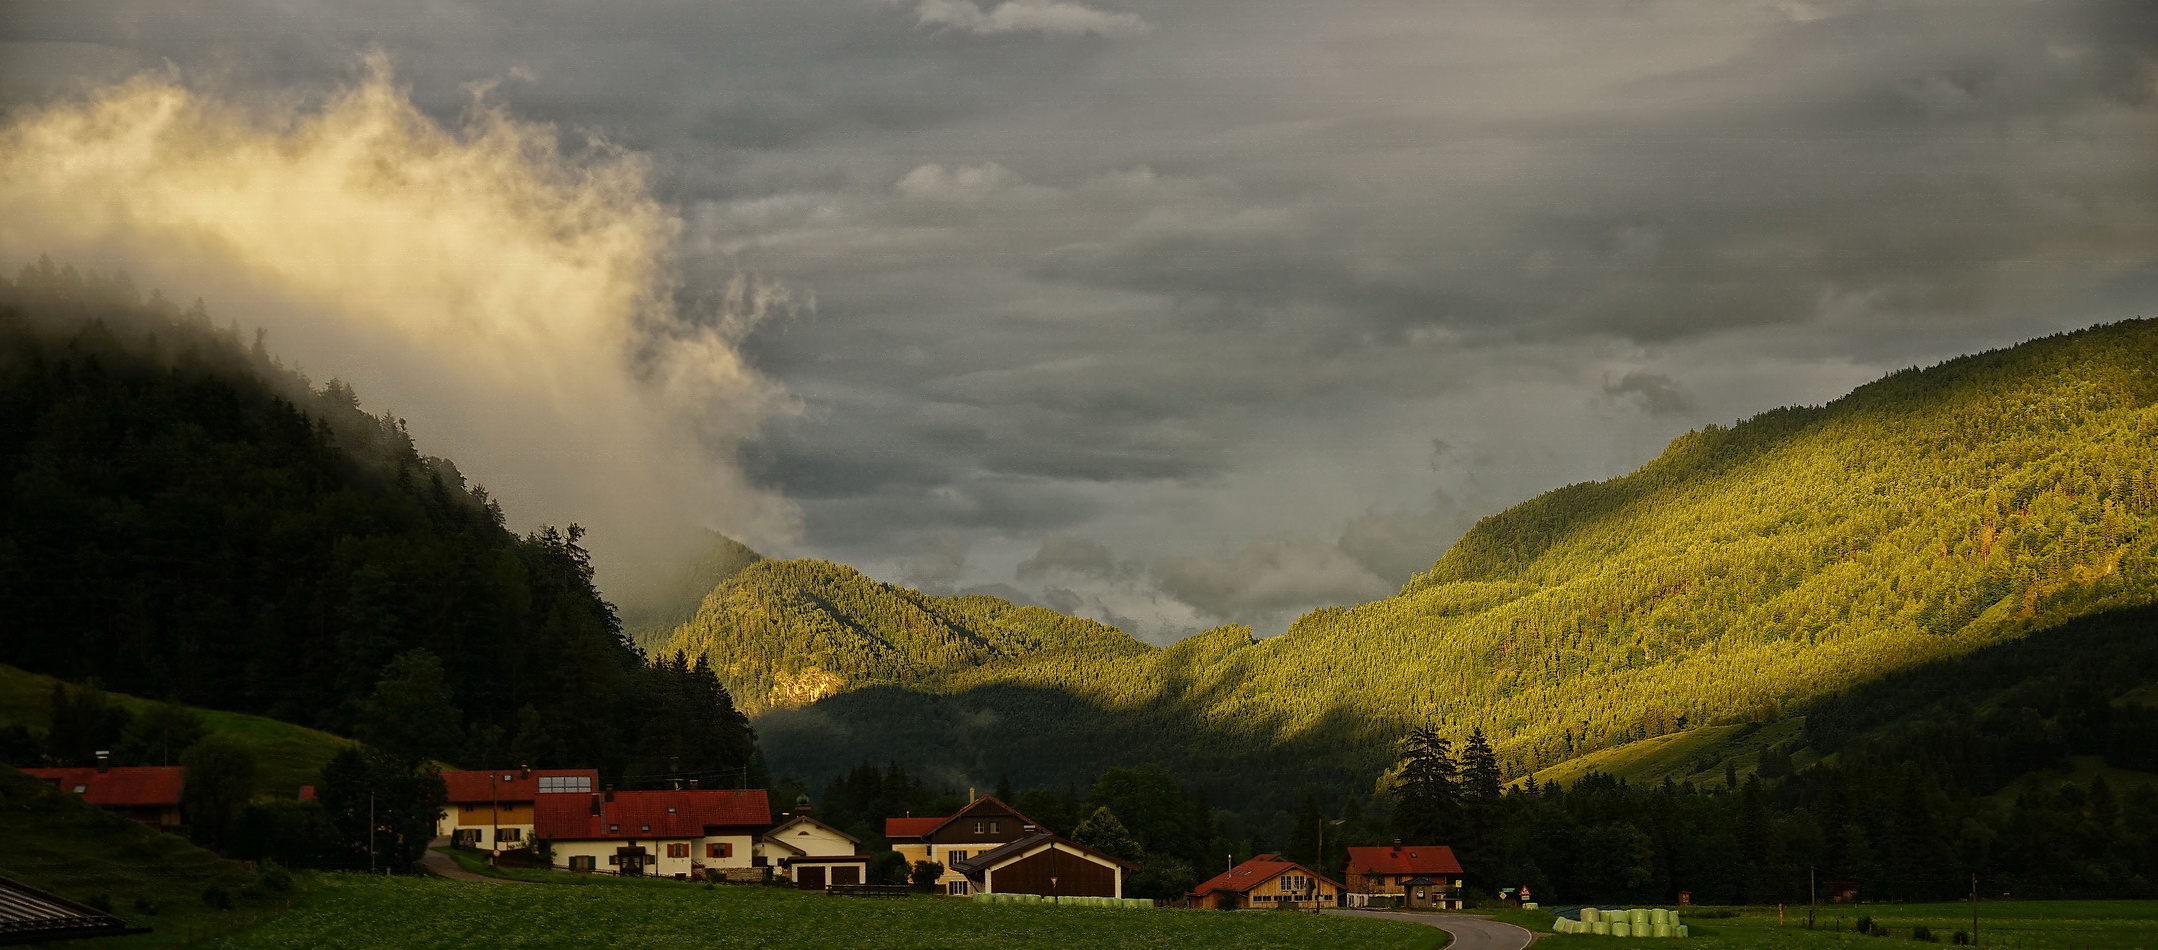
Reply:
x=1960, y=939
x=217, y=897
x=1864, y=925
x=1924, y=933
x=274, y=877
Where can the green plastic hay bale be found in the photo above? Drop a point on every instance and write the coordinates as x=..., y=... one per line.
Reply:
x=1679, y=929
x=1662, y=930
x=1590, y=915
x=1622, y=930
x=1637, y=918
x=1658, y=915
x=1528, y=905
x=1600, y=928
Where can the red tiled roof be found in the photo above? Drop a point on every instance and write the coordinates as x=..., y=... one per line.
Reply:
x=1259, y=870
x=506, y=785
x=1404, y=859
x=924, y=827
x=910, y=827
x=143, y=786
x=569, y=817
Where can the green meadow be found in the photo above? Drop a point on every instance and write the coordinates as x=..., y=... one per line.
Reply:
x=357, y=911
x=286, y=756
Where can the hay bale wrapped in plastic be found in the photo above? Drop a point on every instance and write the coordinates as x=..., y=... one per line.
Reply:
x=1590, y=915
x=1621, y=929
x=1600, y=928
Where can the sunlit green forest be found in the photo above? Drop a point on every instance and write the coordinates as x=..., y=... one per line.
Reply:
x=1748, y=570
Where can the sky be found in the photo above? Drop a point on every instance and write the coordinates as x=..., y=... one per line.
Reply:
x=1168, y=314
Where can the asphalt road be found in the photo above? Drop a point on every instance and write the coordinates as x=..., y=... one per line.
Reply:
x=1470, y=933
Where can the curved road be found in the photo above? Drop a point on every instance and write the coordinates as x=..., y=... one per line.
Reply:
x=1470, y=933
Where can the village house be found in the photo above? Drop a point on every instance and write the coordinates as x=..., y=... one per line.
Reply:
x=1267, y=880
x=810, y=853
x=491, y=809
x=149, y=794
x=666, y=833
x=1042, y=863
x=985, y=823
x=1405, y=875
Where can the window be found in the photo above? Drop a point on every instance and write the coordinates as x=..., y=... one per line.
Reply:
x=956, y=888
x=957, y=855
x=670, y=809
x=564, y=783
x=644, y=829
x=79, y=789
x=580, y=862
x=509, y=834
x=979, y=826
x=614, y=829
x=678, y=850
x=718, y=849
x=992, y=827
x=614, y=859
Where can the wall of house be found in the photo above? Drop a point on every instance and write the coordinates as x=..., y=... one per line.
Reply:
x=658, y=862
x=1076, y=875
x=1274, y=892
x=812, y=840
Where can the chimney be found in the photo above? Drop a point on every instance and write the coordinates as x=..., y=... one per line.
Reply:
x=610, y=793
x=595, y=804
x=970, y=794
x=104, y=760
x=693, y=785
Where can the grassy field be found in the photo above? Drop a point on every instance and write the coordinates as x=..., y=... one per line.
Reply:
x=2022, y=925
x=52, y=840
x=287, y=756
x=356, y=911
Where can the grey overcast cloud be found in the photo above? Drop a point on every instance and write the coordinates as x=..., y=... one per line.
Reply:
x=1176, y=314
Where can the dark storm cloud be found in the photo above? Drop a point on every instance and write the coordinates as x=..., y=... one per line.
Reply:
x=1211, y=276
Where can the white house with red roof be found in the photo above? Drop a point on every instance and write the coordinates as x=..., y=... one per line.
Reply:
x=1410, y=875
x=492, y=808
x=1267, y=880
x=812, y=854
x=663, y=833
x=149, y=794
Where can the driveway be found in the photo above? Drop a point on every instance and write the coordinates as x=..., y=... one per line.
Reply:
x=1470, y=933
x=443, y=865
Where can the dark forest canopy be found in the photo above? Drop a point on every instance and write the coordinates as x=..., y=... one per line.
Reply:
x=182, y=518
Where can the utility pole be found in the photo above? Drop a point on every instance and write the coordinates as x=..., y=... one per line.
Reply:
x=1813, y=900
x=370, y=832
x=1974, y=908
x=494, y=812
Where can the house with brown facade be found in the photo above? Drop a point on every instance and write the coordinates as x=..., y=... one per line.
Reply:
x=491, y=809
x=1042, y=863
x=983, y=825
x=1267, y=880
x=148, y=793
x=1405, y=875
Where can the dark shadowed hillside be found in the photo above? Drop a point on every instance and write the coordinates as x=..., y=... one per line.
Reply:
x=183, y=519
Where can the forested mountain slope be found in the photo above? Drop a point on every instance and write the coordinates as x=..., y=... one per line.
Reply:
x=182, y=518
x=785, y=633
x=1748, y=569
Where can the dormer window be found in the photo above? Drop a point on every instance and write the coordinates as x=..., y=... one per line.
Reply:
x=647, y=829
x=614, y=829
